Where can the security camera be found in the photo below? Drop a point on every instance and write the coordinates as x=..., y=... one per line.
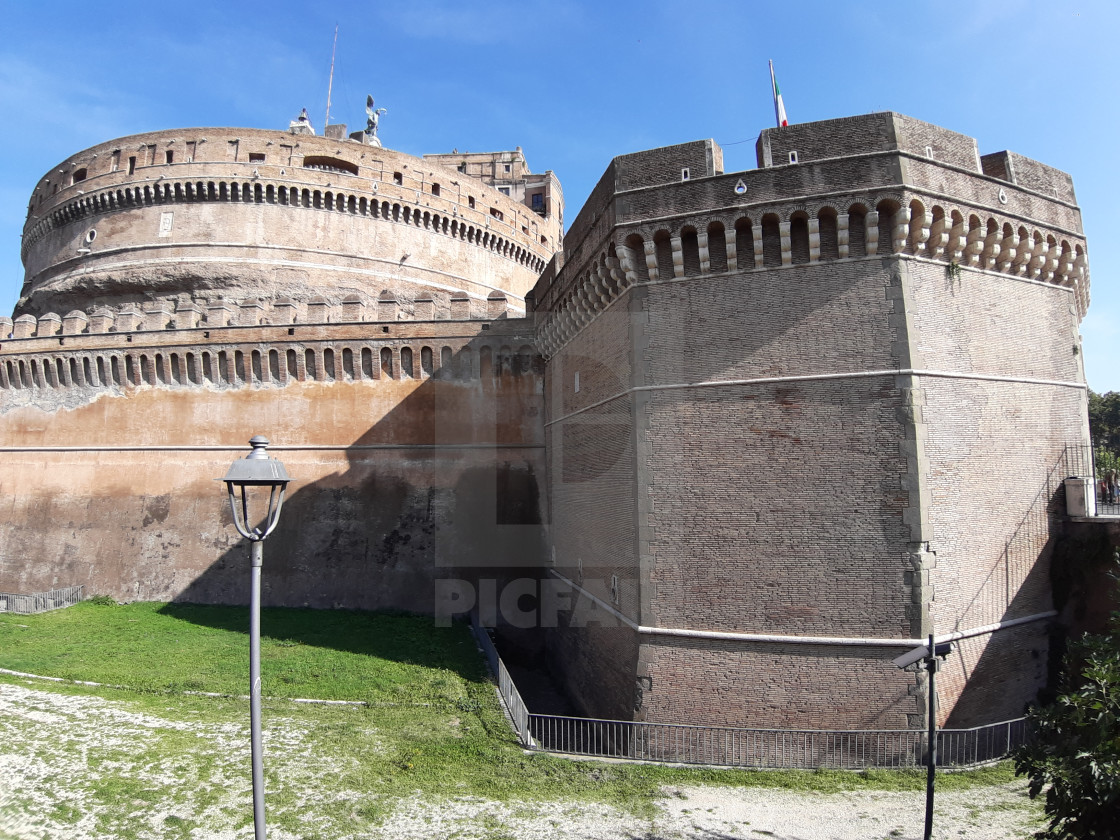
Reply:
x=911, y=656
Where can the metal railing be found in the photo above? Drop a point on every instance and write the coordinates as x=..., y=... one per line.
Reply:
x=1084, y=460
x=800, y=749
x=55, y=599
x=772, y=748
x=515, y=707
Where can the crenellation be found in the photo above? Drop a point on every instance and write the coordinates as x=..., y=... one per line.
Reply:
x=48, y=324
x=74, y=323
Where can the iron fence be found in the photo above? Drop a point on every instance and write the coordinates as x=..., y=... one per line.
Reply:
x=515, y=707
x=772, y=748
x=39, y=602
x=801, y=749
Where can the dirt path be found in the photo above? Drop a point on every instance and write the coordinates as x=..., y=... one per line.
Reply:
x=74, y=766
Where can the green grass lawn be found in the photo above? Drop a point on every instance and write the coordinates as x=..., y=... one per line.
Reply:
x=330, y=655
x=434, y=727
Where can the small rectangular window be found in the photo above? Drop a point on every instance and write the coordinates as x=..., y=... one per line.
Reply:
x=169, y=156
x=793, y=157
x=115, y=162
x=497, y=214
x=398, y=179
x=256, y=157
x=131, y=164
x=575, y=382
x=929, y=152
x=435, y=189
x=470, y=201
x=503, y=190
x=537, y=200
x=684, y=174
x=506, y=167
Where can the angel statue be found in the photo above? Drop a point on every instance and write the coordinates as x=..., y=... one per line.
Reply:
x=373, y=117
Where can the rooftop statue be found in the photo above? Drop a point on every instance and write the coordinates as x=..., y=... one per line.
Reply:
x=373, y=117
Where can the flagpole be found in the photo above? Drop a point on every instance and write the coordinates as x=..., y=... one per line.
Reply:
x=774, y=92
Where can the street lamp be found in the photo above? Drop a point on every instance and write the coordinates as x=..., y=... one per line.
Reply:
x=931, y=656
x=256, y=470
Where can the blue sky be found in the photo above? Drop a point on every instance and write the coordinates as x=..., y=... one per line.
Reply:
x=573, y=83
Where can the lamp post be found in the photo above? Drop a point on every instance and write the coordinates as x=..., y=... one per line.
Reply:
x=256, y=470
x=931, y=656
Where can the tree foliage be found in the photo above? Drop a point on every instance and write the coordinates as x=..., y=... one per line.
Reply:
x=1074, y=755
x=1104, y=419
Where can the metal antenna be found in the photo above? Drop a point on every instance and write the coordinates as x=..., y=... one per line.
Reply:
x=330, y=83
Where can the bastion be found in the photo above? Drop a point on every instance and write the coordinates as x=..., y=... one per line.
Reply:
x=758, y=426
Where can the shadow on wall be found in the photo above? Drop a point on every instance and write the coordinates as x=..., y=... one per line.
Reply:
x=1015, y=662
x=445, y=486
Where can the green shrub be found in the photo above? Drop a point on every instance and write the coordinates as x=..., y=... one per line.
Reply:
x=1074, y=755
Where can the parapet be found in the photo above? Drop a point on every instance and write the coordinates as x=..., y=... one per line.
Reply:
x=667, y=165
x=1029, y=174
x=187, y=314
x=881, y=132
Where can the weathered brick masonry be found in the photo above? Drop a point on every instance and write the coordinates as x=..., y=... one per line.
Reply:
x=830, y=393
x=764, y=430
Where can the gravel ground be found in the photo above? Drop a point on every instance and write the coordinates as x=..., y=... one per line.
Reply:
x=63, y=757
x=716, y=813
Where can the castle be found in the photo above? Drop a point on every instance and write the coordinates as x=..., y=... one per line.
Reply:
x=741, y=438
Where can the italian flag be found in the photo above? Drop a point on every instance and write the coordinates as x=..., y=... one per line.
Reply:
x=779, y=106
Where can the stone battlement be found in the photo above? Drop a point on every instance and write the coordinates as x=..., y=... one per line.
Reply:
x=261, y=356
x=185, y=313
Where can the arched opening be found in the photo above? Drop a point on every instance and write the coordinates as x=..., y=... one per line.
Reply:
x=799, y=238
x=309, y=367
x=744, y=244
x=387, y=362
x=690, y=251
x=347, y=363
x=291, y=360
x=663, y=247
x=828, y=232
x=717, y=247
x=407, y=370
x=367, y=363
x=328, y=365
x=887, y=210
x=771, y=241
x=427, y=365
x=329, y=164
x=274, y=365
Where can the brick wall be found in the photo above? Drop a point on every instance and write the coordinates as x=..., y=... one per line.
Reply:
x=992, y=450
x=779, y=686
